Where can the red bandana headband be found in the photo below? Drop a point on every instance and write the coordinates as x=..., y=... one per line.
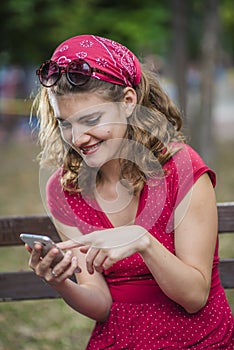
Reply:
x=105, y=54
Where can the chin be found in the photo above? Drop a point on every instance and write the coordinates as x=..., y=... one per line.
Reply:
x=94, y=163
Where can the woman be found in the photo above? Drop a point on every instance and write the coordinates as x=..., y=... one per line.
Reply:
x=134, y=205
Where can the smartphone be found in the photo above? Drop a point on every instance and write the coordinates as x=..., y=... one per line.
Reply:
x=46, y=243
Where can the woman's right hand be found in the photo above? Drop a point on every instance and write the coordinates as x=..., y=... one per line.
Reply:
x=42, y=266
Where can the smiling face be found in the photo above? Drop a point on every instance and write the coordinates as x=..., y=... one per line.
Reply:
x=92, y=126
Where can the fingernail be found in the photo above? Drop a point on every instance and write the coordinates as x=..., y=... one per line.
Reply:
x=77, y=270
x=68, y=253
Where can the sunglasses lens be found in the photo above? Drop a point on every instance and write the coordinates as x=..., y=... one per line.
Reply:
x=78, y=72
x=49, y=73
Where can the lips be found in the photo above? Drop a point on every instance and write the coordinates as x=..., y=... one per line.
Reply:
x=90, y=149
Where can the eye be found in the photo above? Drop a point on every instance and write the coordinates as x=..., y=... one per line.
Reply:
x=93, y=121
x=64, y=124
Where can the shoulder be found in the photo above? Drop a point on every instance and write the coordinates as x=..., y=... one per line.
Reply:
x=54, y=191
x=183, y=170
x=58, y=200
x=55, y=179
x=186, y=162
x=182, y=152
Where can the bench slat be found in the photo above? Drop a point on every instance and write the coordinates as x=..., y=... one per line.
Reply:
x=226, y=217
x=24, y=285
x=226, y=271
x=11, y=227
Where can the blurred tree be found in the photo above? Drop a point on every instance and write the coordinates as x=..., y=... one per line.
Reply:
x=210, y=48
x=25, y=28
x=31, y=29
x=226, y=8
x=140, y=26
x=180, y=49
x=202, y=130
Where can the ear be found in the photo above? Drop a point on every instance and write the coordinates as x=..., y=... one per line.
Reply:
x=129, y=100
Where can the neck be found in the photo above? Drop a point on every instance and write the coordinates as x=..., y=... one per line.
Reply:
x=110, y=171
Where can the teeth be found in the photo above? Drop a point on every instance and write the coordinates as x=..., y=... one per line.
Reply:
x=90, y=148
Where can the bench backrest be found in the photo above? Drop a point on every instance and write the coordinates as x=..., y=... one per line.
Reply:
x=23, y=285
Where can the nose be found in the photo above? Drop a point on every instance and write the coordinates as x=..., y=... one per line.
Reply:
x=79, y=137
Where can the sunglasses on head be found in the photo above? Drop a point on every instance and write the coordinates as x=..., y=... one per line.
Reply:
x=78, y=72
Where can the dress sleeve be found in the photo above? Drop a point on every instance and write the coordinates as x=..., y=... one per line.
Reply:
x=57, y=202
x=184, y=169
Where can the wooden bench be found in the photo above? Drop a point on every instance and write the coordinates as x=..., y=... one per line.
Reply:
x=24, y=285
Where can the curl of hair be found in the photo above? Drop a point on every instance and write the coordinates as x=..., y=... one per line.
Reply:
x=154, y=126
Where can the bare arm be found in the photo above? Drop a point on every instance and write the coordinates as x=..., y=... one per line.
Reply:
x=90, y=296
x=185, y=277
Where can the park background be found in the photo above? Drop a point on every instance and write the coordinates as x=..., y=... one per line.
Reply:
x=189, y=44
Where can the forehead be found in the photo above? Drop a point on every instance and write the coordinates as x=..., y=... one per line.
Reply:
x=75, y=104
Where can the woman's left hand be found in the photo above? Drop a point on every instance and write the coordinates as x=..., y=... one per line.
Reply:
x=105, y=247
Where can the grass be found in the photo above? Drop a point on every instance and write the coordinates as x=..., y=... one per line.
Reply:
x=51, y=324
x=44, y=325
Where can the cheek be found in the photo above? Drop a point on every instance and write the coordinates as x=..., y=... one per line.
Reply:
x=115, y=131
x=66, y=135
x=103, y=132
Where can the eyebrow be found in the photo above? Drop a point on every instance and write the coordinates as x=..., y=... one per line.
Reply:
x=83, y=117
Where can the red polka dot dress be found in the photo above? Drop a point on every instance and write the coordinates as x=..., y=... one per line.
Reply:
x=142, y=316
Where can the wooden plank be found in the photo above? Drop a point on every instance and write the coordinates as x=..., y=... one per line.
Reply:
x=11, y=227
x=226, y=217
x=24, y=285
x=226, y=270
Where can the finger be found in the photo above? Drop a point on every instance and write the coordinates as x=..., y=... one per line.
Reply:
x=65, y=263
x=53, y=278
x=69, y=244
x=44, y=266
x=71, y=269
x=90, y=256
x=99, y=260
x=75, y=266
x=109, y=261
x=35, y=256
x=59, y=268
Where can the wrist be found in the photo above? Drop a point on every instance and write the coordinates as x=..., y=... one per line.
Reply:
x=145, y=243
x=59, y=286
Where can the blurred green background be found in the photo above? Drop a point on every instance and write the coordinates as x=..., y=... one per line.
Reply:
x=190, y=45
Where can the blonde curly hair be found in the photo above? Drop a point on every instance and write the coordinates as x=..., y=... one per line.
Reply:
x=154, y=125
